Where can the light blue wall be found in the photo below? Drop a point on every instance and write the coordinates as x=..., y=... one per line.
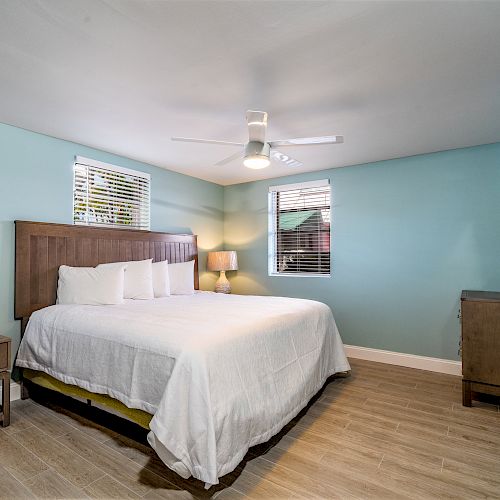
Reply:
x=36, y=184
x=407, y=236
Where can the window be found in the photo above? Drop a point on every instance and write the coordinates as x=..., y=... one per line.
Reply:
x=106, y=195
x=299, y=229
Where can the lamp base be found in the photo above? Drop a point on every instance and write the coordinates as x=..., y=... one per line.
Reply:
x=222, y=285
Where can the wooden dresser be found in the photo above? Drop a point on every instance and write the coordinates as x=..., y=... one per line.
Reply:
x=480, y=344
x=5, y=377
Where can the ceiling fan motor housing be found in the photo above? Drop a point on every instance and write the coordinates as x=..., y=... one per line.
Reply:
x=259, y=149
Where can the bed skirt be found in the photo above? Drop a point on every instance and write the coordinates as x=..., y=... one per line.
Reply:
x=42, y=379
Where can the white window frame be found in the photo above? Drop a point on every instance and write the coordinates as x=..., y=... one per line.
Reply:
x=272, y=231
x=88, y=162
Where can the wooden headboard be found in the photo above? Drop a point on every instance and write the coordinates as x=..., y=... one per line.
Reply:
x=42, y=247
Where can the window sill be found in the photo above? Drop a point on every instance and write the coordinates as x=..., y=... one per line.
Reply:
x=298, y=275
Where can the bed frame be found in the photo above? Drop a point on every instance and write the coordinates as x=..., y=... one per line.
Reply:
x=42, y=247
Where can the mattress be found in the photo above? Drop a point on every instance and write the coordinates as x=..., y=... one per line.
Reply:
x=219, y=373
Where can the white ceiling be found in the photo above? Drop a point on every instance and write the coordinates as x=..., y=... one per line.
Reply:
x=395, y=78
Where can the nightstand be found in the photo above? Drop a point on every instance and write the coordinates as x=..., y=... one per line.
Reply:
x=5, y=377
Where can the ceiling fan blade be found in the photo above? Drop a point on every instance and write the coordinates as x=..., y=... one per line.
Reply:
x=308, y=141
x=207, y=141
x=239, y=154
x=288, y=160
x=257, y=125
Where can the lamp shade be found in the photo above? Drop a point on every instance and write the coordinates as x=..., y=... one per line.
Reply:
x=222, y=261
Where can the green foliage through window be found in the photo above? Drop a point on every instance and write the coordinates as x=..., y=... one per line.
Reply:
x=110, y=196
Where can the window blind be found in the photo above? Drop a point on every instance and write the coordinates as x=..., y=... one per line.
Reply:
x=299, y=229
x=110, y=196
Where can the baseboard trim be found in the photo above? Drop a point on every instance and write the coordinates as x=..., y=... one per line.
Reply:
x=402, y=359
x=15, y=391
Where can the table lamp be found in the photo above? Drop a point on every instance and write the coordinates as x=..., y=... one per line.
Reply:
x=222, y=261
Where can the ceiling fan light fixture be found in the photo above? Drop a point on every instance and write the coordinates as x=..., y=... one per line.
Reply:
x=257, y=155
x=256, y=162
x=258, y=151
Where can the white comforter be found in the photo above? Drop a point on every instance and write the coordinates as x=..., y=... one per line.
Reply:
x=219, y=372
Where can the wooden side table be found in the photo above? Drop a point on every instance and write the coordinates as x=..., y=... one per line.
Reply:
x=5, y=377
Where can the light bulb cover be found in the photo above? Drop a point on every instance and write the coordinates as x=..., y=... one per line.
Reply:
x=256, y=162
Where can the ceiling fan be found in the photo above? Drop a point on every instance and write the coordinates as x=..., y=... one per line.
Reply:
x=257, y=152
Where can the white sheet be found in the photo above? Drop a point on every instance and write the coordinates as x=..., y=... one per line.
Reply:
x=219, y=372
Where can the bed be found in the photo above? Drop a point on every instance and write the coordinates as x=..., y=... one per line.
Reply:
x=209, y=374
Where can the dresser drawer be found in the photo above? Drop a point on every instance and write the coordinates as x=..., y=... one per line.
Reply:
x=4, y=356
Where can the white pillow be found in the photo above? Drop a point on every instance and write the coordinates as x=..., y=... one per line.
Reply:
x=138, y=278
x=90, y=285
x=161, y=282
x=181, y=278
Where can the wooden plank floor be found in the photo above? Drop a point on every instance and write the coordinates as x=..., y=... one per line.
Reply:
x=384, y=432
